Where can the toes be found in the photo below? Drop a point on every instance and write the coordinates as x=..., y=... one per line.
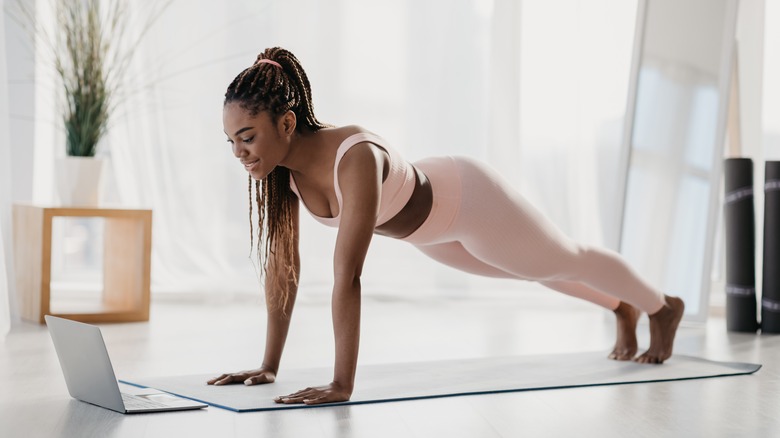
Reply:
x=621, y=354
x=649, y=359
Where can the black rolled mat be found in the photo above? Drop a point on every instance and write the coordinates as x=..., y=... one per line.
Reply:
x=739, y=219
x=770, y=294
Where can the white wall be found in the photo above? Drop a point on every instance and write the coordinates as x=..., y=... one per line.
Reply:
x=771, y=90
x=5, y=190
x=750, y=42
x=20, y=77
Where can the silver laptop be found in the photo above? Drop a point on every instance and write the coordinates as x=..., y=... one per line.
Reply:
x=90, y=376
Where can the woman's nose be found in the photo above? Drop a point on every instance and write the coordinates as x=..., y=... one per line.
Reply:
x=238, y=151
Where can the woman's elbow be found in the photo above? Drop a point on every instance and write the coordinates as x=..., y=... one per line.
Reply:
x=349, y=278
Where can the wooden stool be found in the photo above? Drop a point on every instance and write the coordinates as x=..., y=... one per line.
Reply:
x=126, y=262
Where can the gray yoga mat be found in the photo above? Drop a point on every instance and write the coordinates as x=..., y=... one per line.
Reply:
x=419, y=380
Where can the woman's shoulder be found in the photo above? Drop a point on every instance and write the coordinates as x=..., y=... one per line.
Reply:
x=337, y=137
x=344, y=132
x=344, y=138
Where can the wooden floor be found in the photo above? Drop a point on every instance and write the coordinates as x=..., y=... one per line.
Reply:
x=201, y=336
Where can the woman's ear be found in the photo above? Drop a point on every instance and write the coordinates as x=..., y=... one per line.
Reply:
x=287, y=124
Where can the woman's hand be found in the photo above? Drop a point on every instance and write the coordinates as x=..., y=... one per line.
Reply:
x=250, y=377
x=330, y=393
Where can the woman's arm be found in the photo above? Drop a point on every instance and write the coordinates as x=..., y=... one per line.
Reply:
x=278, y=323
x=360, y=179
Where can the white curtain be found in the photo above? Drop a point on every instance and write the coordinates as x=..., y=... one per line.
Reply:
x=535, y=88
x=5, y=193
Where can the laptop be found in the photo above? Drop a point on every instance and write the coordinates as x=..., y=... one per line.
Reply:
x=90, y=376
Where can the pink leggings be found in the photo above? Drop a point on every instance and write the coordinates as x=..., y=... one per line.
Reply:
x=479, y=224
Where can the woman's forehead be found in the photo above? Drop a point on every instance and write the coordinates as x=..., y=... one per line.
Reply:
x=234, y=113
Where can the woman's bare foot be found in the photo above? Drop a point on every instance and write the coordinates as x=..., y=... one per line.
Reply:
x=663, y=327
x=625, y=344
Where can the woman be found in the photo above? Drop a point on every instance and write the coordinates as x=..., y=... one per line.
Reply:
x=453, y=209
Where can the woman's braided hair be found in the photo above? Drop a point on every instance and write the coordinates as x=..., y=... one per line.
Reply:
x=267, y=87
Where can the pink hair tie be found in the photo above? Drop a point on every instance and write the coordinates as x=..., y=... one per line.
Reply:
x=268, y=61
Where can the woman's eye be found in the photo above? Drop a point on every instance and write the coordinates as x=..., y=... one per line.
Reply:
x=248, y=140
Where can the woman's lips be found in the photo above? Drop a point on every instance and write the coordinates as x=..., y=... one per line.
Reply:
x=250, y=165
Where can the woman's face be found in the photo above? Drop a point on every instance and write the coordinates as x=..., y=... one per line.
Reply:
x=256, y=140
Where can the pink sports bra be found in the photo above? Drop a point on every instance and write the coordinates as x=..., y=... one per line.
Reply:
x=396, y=189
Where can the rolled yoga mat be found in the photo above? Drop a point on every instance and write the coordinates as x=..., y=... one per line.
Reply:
x=448, y=378
x=740, y=246
x=770, y=301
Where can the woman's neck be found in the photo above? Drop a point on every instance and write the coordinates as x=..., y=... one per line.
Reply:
x=306, y=152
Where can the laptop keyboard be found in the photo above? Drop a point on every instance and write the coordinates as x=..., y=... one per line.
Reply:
x=134, y=402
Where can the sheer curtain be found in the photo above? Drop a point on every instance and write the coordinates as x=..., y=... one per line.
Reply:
x=537, y=89
x=5, y=192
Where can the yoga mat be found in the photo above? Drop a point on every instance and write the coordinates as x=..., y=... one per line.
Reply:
x=740, y=246
x=770, y=295
x=420, y=380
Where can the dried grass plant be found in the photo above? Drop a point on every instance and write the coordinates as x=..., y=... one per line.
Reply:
x=91, y=46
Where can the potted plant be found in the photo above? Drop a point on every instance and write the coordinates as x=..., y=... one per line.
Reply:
x=91, y=50
x=80, y=59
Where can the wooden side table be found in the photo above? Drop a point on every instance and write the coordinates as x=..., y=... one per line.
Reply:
x=126, y=262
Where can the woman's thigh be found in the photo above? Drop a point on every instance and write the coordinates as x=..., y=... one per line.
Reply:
x=453, y=254
x=501, y=228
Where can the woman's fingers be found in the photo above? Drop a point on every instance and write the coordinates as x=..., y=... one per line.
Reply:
x=302, y=392
x=296, y=397
x=313, y=396
x=251, y=377
x=216, y=379
x=230, y=378
x=288, y=399
x=317, y=400
x=224, y=379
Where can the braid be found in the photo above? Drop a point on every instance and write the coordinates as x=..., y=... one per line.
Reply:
x=251, y=231
x=266, y=87
x=260, y=200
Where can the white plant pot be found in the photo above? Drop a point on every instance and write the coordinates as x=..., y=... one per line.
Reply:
x=78, y=180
